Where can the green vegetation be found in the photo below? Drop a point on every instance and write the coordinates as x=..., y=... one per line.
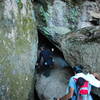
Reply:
x=71, y=18
x=44, y=14
x=20, y=4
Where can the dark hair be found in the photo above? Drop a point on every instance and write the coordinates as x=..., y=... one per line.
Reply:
x=78, y=69
x=80, y=81
x=42, y=47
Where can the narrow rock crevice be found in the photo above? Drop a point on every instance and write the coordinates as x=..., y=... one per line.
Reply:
x=36, y=97
x=43, y=40
x=95, y=21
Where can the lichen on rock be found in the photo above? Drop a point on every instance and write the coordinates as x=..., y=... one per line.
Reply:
x=18, y=49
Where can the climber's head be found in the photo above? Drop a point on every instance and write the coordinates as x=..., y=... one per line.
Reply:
x=78, y=69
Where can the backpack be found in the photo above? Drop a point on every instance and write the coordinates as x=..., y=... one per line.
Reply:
x=82, y=86
x=82, y=89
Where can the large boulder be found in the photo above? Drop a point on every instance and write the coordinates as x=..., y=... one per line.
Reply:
x=82, y=47
x=53, y=86
x=18, y=47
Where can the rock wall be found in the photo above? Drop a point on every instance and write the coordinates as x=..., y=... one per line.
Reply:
x=61, y=17
x=18, y=49
x=82, y=47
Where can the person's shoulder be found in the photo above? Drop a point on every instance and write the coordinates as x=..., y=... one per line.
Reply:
x=48, y=50
x=72, y=78
x=42, y=52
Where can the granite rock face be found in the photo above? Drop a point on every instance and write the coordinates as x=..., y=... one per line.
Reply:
x=63, y=16
x=82, y=47
x=18, y=49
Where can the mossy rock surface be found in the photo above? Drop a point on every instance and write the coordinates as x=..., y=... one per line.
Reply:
x=18, y=49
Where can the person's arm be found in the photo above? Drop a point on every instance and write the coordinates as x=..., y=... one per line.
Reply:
x=50, y=54
x=39, y=59
x=96, y=76
x=67, y=96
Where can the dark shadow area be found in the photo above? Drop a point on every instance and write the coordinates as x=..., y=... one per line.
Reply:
x=49, y=44
x=31, y=93
x=95, y=97
x=95, y=22
x=43, y=40
x=36, y=95
x=92, y=0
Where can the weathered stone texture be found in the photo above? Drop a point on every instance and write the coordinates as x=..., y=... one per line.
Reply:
x=18, y=49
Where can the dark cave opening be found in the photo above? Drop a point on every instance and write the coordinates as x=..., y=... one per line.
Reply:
x=95, y=21
x=43, y=40
x=92, y=0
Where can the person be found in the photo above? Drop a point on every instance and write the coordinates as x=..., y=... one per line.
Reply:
x=45, y=57
x=73, y=90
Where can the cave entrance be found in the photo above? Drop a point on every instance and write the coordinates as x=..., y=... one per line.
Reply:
x=95, y=21
x=43, y=40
